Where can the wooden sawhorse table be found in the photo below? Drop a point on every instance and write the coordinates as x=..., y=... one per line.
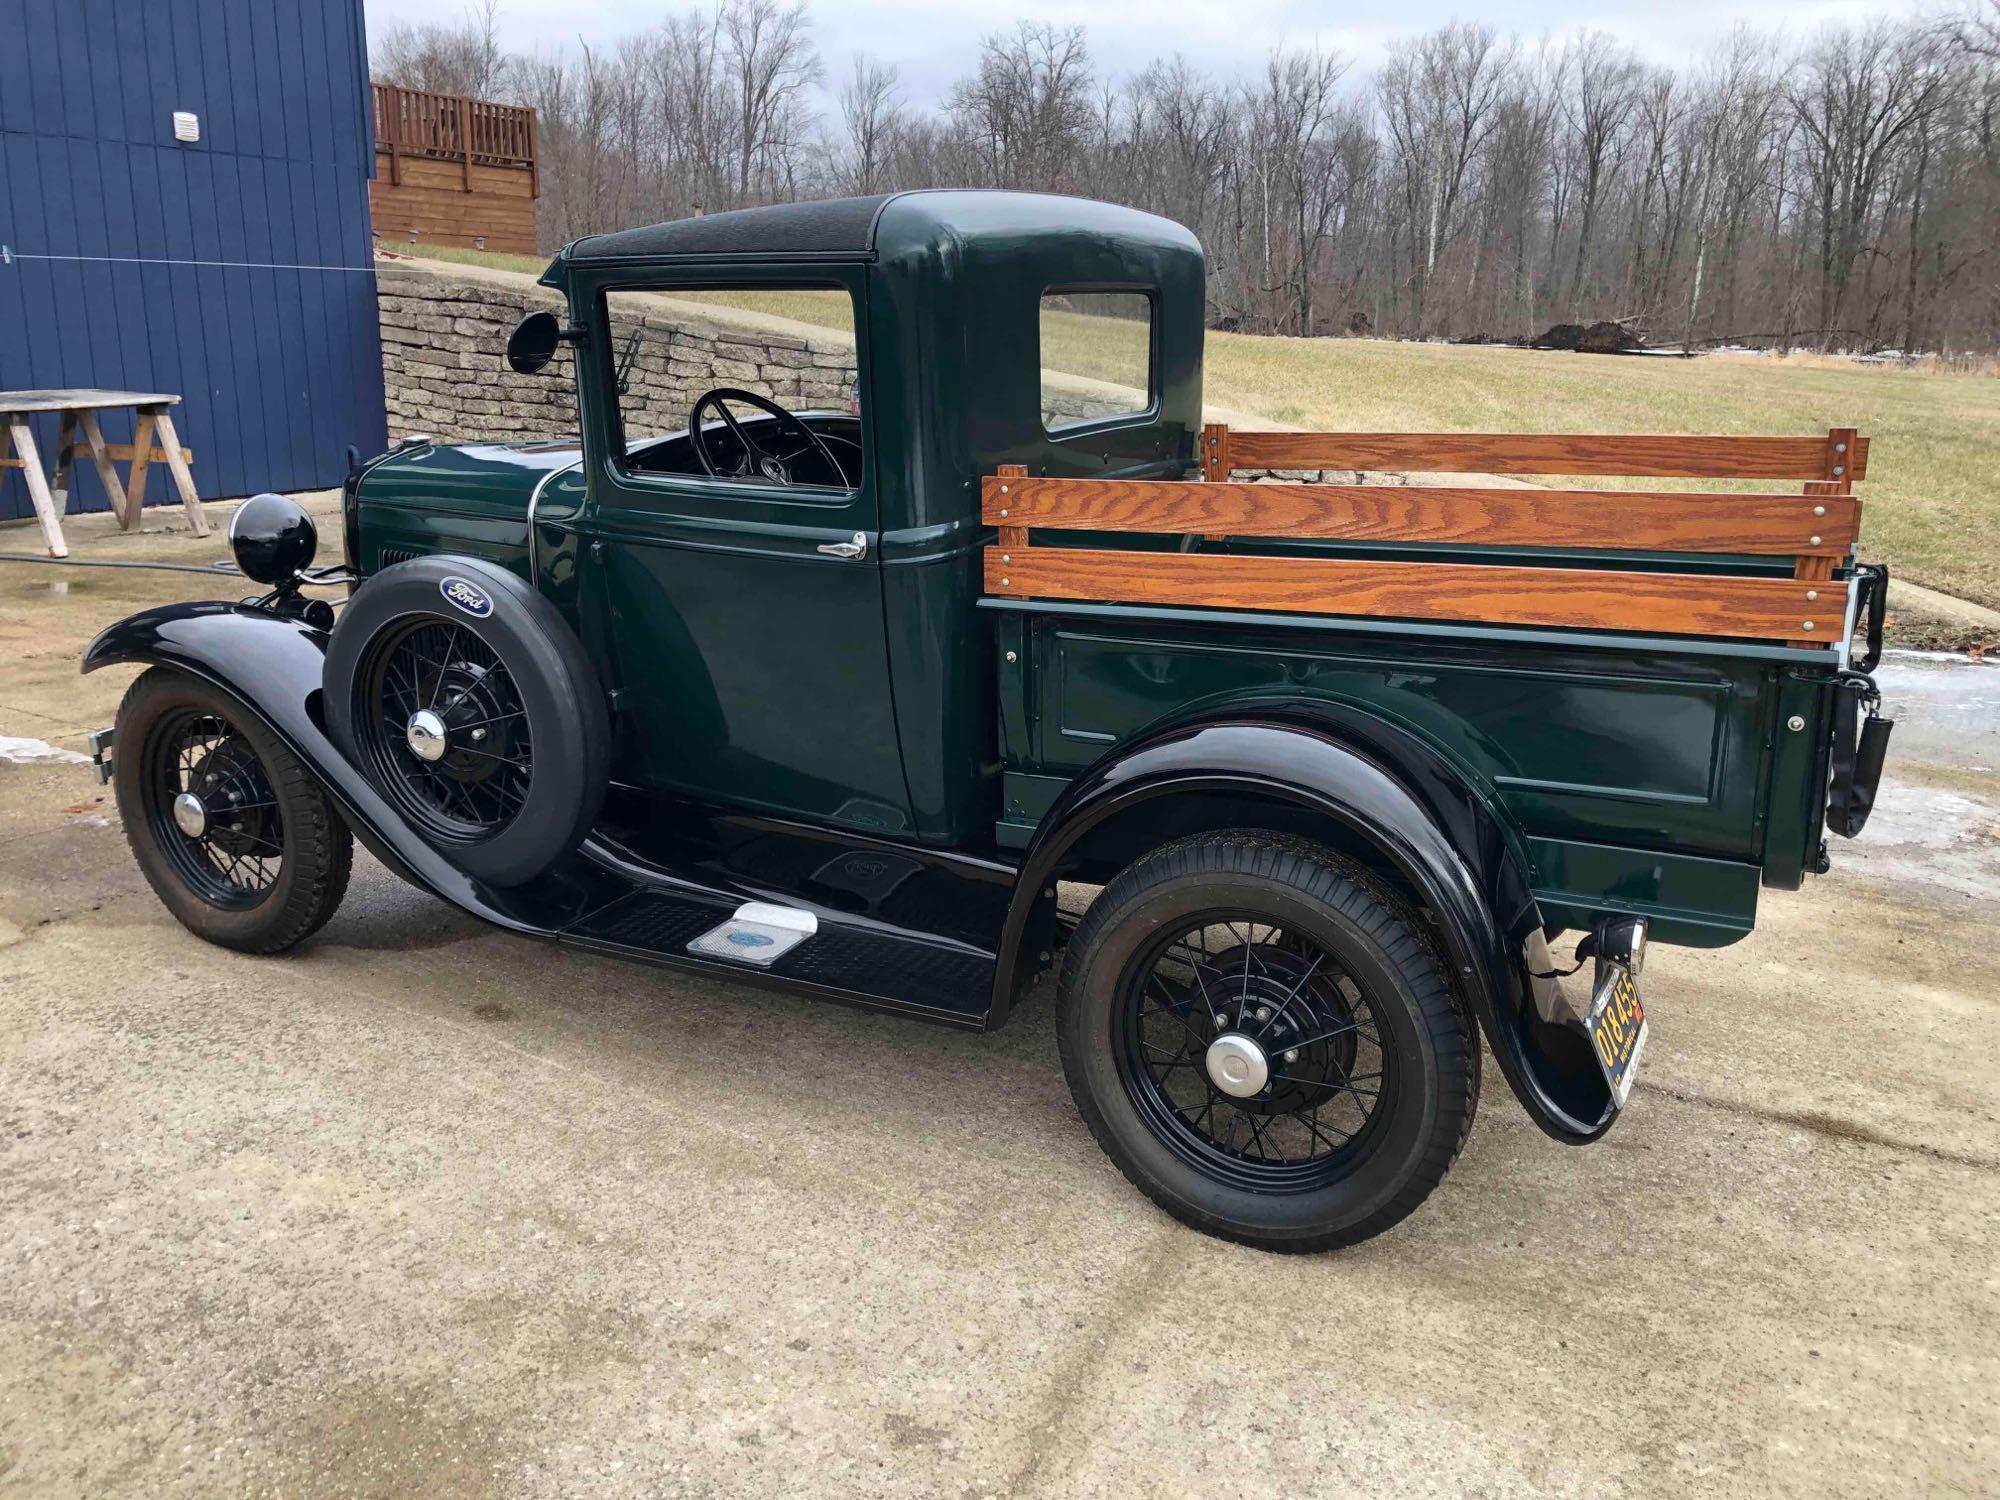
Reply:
x=153, y=438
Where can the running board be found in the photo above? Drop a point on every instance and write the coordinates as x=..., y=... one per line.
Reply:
x=859, y=963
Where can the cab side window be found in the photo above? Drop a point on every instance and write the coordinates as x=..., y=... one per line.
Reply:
x=792, y=347
x=1097, y=356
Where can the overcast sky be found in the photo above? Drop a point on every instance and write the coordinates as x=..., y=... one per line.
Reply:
x=934, y=41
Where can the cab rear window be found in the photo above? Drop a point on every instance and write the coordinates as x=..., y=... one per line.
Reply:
x=1097, y=356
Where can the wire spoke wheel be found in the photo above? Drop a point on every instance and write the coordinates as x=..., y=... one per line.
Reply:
x=1253, y=1053
x=445, y=729
x=212, y=809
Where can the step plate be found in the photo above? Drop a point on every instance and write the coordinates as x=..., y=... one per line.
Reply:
x=744, y=939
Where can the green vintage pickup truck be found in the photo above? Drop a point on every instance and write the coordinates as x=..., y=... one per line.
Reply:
x=900, y=664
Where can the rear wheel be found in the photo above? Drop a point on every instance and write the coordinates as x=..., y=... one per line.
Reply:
x=228, y=826
x=1260, y=1037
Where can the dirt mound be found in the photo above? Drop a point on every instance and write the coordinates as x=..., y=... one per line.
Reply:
x=1599, y=338
x=1608, y=338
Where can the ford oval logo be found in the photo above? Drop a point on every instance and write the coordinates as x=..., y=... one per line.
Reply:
x=469, y=597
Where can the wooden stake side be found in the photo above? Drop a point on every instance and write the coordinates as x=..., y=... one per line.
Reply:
x=1653, y=603
x=1215, y=464
x=1842, y=445
x=1630, y=520
x=1634, y=455
x=1011, y=540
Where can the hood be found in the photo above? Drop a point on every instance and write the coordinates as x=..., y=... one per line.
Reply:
x=472, y=479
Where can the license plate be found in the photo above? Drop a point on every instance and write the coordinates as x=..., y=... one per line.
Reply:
x=1618, y=1029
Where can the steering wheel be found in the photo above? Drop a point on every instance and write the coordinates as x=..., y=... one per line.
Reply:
x=756, y=463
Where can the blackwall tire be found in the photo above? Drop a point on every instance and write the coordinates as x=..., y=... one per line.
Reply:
x=270, y=861
x=1402, y=1078
x=516, y=775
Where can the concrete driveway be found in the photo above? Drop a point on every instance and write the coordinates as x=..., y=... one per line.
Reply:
x=427, y=1209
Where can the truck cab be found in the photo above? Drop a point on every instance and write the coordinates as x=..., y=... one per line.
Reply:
x=731, y=611
x=922, y=638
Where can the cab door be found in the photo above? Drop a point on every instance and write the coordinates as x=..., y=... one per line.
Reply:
x=740, y=620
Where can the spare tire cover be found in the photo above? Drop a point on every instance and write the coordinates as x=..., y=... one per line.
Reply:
x=466, y=698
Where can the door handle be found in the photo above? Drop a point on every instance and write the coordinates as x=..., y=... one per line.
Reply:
x=858, y=548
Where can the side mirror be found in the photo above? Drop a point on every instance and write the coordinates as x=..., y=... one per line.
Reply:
x=533, y=343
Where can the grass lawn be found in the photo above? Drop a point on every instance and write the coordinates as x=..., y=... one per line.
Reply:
x=1931, y=501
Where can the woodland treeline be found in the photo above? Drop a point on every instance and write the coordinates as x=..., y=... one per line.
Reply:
x=1839, y=191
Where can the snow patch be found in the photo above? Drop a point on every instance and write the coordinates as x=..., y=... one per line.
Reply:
x=1925, y=836
x=21, y=752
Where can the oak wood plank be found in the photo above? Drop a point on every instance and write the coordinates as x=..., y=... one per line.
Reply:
x=1011, y=536
x=1678, y=521
x=1840, y=443
x=1655, y=603
x=1638, y=455
x=1215, y=464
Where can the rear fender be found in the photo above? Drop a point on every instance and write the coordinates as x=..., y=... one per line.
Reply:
x=272, y=666
x=1446, y=838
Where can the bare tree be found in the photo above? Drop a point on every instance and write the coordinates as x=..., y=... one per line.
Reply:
x=1440, y=96
x=1857, y=96
x=1849, y=187
x=447, y=59
x=1028, y=106
x=871, y=111
x=772, y=62
x=1596, y=106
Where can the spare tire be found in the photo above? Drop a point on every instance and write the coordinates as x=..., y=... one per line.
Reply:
x=471, y=705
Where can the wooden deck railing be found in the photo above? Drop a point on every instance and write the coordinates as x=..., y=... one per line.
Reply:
x=451, y=127
x=1816, y=528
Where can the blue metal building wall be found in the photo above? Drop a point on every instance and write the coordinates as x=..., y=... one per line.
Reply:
x=237, y=272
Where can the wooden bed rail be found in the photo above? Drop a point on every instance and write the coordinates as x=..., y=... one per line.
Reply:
x=1625, y=520
x=1628, y=455
x=1816, y=527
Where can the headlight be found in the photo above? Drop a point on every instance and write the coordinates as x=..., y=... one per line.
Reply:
x=272, y=538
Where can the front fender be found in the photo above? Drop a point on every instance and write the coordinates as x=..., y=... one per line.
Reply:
x=272, y=665
x=1389, y=788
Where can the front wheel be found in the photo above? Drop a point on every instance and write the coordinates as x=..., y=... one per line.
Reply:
x=229, y=828
x=1260, y=1038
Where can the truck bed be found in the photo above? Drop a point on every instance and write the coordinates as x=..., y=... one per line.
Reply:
x=1650, y=703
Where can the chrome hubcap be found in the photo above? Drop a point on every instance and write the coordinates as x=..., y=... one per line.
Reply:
x=190, y=815
x=1237, y=1065
x=426, y=736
